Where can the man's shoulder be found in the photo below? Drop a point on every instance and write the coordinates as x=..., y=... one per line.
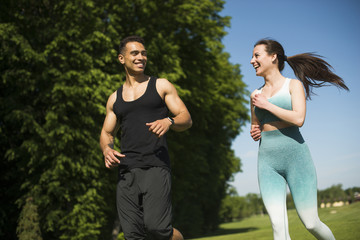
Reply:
x=164, y=86
x=163, y=83
x=112, y=97
x=162, y=80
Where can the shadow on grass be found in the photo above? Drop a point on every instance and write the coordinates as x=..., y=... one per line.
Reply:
x=227, y=231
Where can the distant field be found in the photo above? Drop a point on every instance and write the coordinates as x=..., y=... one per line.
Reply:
x=343, y=221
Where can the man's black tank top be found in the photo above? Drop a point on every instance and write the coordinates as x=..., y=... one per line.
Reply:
x=142, y=148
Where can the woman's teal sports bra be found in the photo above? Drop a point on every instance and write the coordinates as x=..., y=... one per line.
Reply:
x=281, y=99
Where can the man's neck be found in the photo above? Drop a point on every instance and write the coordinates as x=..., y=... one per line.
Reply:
x=133, y=80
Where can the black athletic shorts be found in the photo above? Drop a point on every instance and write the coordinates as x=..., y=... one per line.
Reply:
x=143, y=199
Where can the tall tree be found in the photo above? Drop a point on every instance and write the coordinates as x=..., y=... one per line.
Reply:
x=28, y=228
x=53, y=91
x=59, y=65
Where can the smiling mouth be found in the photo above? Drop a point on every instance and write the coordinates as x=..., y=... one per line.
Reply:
x=140, y=65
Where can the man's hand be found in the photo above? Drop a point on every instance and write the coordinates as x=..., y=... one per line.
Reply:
x=255, y=132
x=110, y=157
x=159, y=127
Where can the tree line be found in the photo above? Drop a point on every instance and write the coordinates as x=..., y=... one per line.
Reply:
x=58, y=65
x=235, y=208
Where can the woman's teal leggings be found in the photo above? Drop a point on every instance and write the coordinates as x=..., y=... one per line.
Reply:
x=284, y=158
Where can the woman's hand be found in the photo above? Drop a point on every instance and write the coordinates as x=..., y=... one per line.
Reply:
x=260, y=101
x=255, y=132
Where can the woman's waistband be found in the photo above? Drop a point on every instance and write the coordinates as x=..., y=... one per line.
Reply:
x=292, y=132
x=270, y=126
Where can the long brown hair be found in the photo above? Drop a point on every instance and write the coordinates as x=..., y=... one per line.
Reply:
x=309, y=68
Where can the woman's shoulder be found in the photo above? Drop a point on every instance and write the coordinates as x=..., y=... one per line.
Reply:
x=295, y=83
x=256, y=91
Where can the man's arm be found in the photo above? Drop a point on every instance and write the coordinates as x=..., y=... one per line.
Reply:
x=107, y=135
x=182, y=118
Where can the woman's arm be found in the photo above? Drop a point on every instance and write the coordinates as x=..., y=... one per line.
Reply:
x=296, y=116
x=255, y=130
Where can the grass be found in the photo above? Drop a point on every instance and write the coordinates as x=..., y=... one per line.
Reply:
x=344, y=222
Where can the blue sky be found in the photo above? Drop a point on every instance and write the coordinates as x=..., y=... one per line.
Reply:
x=330, y=28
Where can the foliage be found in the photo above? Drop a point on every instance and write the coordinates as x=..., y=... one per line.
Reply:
x=352, y=193
x=234, y=207
x=59, y=65
x=53, y=92
x=28, y=228
x=120, y=236
x=333, y=194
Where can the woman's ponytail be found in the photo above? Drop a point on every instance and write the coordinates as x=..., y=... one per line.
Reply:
x=313, y=71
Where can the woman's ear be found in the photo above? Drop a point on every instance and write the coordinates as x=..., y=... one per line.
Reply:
x=274, y=58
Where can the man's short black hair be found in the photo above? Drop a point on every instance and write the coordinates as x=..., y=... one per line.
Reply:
x=130, y=39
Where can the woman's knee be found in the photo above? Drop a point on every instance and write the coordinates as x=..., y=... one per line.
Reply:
x=312, y=224
x=278, y=224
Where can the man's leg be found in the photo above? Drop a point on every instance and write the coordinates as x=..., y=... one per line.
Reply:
x=156, y=188
x=176, y=235
x=128, y=205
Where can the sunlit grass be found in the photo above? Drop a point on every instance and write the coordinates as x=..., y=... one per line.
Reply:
x=343, y=221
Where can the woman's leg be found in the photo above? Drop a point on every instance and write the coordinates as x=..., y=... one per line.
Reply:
x=273, y=191
x=303, y=186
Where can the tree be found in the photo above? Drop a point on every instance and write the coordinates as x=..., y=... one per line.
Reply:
x=255, y=204
x=234, y=207
x=332, y=194
x=351, y=193
x=59, y=65
x=52, y=95
x=28, y=228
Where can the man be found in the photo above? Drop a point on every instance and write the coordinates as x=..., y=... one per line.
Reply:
x=140, y=108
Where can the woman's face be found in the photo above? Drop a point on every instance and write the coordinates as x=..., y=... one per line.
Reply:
x=262, y=61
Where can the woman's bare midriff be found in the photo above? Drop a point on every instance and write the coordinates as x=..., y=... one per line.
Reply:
x=271, y=126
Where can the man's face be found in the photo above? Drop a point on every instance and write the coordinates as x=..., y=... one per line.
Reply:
x=134, y=57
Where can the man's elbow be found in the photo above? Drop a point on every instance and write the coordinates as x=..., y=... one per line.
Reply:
x=183, y=126
x=188, y=122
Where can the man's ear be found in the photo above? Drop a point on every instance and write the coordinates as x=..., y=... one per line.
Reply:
x=121, y=58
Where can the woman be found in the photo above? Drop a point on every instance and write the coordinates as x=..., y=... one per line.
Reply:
x=277, y=111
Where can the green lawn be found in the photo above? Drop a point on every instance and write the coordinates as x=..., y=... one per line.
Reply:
x=343, y=221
